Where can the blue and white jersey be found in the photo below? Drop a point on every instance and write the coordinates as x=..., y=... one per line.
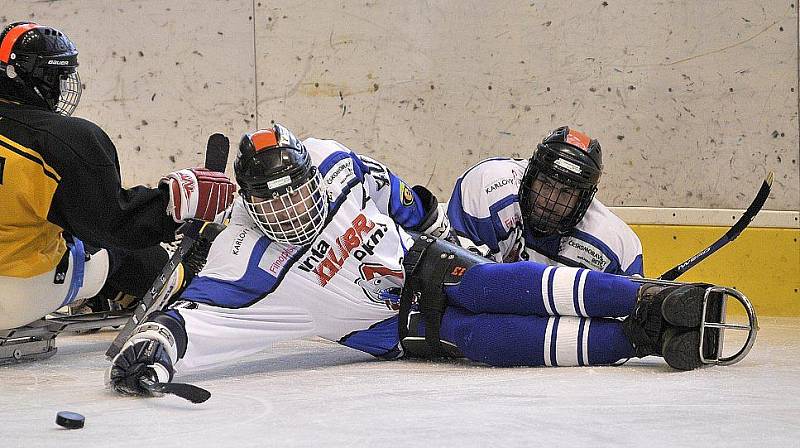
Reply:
x=254, y=291
x=485, y=214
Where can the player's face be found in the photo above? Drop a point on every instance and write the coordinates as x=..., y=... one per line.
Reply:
x=288, y=211
x=552, y=202
x=293, y=217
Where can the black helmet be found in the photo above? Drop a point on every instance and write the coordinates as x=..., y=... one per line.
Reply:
x=280, y=186
x=560, y=182
x=44, y=62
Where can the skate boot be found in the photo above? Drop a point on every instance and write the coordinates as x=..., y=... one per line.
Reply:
x=660, y=320
x=684, y=324
x=686, y=308
x=646, y=326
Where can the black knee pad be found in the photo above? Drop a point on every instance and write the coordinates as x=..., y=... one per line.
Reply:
x=430, y=265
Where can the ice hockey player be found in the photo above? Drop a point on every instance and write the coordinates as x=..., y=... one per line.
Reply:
x=544, y=209
x=67, y=226
x=325, y=242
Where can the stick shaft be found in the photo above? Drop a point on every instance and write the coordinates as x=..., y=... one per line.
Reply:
x=216, y=158
x=730, y=235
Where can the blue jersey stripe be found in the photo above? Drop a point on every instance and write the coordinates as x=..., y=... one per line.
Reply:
x=379, y=340
x=575, y=292
x=237, y=293
x=637, y=267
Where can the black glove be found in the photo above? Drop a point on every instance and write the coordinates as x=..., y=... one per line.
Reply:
x=141, y=358
x=435, y=222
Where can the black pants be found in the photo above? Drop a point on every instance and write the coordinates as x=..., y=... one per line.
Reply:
x=132, y=271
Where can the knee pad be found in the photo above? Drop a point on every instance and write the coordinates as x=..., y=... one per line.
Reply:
x=430, y=265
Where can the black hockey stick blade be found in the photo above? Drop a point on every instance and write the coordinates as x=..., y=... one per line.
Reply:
x=217, y=150
x=186, y=391
x=732, y=233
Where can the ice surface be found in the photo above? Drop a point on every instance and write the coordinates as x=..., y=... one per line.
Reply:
x=314, y=393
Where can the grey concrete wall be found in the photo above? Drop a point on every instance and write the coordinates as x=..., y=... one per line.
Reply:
x=693, y=101
x=160, y=76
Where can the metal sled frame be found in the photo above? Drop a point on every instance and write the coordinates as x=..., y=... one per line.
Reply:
x=751, y=327
x=37, y=340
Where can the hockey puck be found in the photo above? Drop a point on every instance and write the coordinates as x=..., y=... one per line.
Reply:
x=70, y=420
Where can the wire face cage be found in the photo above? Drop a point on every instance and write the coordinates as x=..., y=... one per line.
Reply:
x=295, y=217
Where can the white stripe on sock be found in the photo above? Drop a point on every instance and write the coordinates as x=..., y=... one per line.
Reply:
x=563, y=286
x=586, y=341
x=567, y=341
x=547, y=333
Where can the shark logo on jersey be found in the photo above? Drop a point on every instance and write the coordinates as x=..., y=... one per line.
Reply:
x=376, y=280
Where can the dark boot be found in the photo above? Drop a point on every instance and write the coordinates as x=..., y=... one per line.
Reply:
x=681, y=348
x=660, y=320
x=684, y=306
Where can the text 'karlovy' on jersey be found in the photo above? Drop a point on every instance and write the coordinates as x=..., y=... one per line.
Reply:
x=485, y=214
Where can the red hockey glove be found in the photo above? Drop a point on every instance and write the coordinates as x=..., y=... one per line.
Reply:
x=198, y=193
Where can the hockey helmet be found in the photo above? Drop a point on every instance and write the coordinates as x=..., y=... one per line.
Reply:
x=280, y=186
x=560, y=182
x=43, y=61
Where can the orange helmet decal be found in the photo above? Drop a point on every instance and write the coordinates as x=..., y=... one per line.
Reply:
x=264, y=139
x=579, y=139
x=11, y=38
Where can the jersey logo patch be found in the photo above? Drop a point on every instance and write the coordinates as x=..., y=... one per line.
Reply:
x=340, y=173
x=406, y=195
x=275, y=258
x=584, y=253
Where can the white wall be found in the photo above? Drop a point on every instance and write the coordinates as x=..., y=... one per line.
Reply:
x=693, y=101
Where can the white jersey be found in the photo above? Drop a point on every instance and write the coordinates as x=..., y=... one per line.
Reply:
x=485, y=214
x=254, y=291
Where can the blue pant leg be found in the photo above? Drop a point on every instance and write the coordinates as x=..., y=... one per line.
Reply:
x=529, y=288
x=513, y=340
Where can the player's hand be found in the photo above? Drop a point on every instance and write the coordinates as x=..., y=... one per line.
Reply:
x=198, y=193
x=435, y=223
x=141, y=358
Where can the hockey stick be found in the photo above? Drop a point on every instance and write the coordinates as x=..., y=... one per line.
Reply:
x=730, y=235
x=186, y=391
x=216, y=160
